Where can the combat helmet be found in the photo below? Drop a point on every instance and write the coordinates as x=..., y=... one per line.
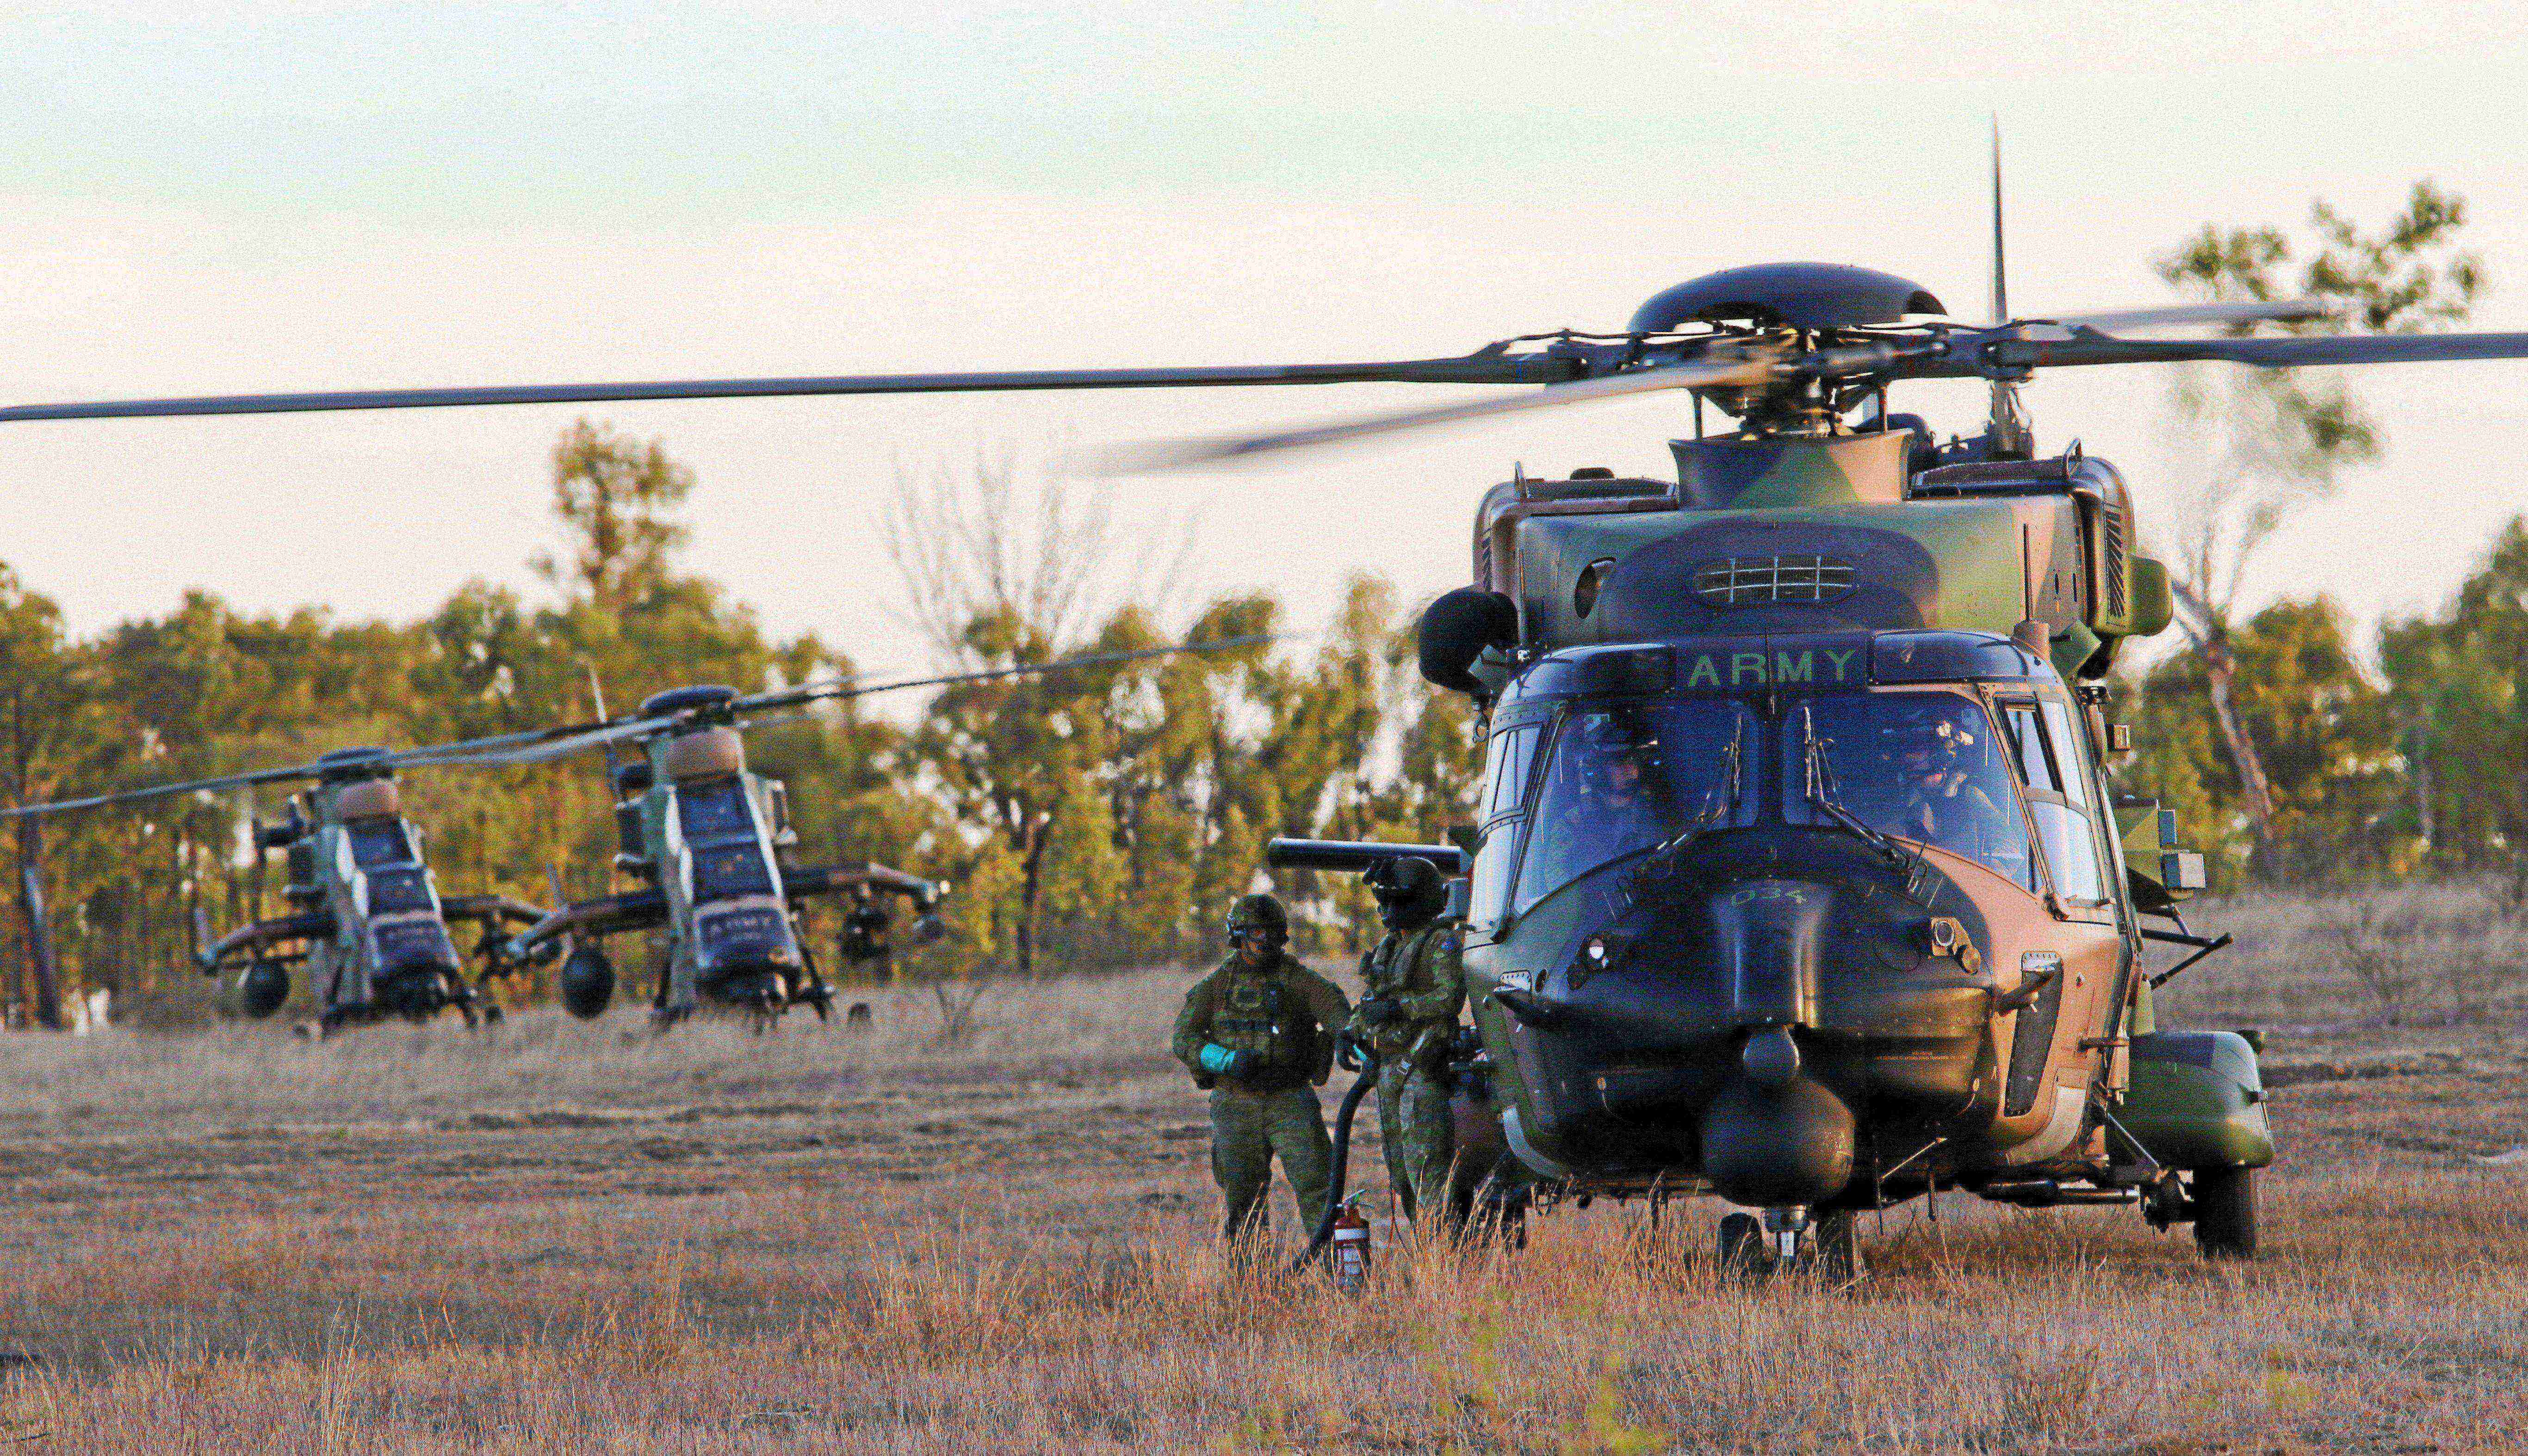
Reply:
x=1259, y=912
x=1410, y=891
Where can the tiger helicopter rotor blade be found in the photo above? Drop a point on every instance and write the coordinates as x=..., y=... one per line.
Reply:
x=542, y=748
x=1971, y=354
x=255, y=779
x=1753, y=366
x=544, y=745
x=1491, y=365
x=843, y=687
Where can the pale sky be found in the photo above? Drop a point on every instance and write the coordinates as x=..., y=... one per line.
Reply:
x=252, y=196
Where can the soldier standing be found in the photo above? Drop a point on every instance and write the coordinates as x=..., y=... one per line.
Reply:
x=1259, y=1033
x=1413, y=986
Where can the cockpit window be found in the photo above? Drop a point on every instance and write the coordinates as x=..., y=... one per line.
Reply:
x=376, y=841
x=728, y=854
x=1920, y=766
x=399, y=891
x=1621, y=780
x=724, y=871
x=714, y=811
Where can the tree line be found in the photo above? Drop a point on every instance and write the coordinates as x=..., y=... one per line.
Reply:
x=1106, y=818
x=1087, y=819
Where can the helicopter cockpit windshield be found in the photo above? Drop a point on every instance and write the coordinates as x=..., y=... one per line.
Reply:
x=1921, y=767
x=720, y=834
x=397, y=882
x=378, y=842
x=1627, y=778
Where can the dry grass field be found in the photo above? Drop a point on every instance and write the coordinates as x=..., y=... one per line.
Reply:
x=556, y=1237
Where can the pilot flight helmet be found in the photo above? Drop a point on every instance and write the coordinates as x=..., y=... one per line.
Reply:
x=1410, y=891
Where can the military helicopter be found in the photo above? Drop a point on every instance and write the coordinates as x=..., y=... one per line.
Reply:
x=366, y=916
x=1851, y=916
x=705, y=840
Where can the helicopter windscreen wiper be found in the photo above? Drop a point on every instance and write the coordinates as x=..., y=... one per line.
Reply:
x=1720, y=807
x=1817, y=789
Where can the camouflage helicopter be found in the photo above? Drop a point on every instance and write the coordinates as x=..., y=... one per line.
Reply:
x=1796, y=878
x=705, y=841
x=366, y=916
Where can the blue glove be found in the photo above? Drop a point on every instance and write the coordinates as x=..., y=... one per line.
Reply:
x=1221, y=1061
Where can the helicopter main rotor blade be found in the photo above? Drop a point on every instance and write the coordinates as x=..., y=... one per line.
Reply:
x=547, y=746
x=1754, y=366
x=1491, y=365
x=254, y=779
x=2177, y=315
x=2087, y=347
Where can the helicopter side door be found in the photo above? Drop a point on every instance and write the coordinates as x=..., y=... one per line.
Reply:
x=2057, y=1041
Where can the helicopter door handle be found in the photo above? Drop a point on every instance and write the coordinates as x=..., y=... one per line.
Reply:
x=2029, y=990
x=1527, y=1006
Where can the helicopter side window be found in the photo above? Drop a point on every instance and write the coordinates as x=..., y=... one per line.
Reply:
x=1915, y=765
x=1623, y=780
x=1513, y=748
x=1513, y=752
x=2035, y=769
x=2040, y=733
x=2059, y=736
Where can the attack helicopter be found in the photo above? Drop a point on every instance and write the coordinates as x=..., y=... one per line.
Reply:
x=365, y=916
x=1796, y=878
x=706, y=842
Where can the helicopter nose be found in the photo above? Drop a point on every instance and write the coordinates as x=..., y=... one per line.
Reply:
x=1767, y=936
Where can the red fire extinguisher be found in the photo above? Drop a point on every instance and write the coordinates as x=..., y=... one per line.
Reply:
x=1349, y=1250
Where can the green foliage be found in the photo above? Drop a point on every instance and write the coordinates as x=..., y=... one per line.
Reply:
x=2326, y=735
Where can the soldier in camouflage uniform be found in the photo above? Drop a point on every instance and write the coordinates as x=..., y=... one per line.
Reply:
x=1259, y=1033
x=1413, y=987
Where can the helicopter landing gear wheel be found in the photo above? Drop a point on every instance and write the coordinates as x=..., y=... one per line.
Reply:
x=1741, y=1254
x=2225, y=1213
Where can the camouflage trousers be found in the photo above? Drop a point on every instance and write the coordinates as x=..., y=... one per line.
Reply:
x=1421, y=1140
x=1249, y=1130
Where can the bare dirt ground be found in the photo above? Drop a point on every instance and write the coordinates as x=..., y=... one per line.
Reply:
x=556, y=1237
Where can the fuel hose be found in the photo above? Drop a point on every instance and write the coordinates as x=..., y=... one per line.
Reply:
x=1337, y=1176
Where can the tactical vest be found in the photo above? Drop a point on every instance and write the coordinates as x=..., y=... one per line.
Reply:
x=1393, y=968
x=1263, y=1015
